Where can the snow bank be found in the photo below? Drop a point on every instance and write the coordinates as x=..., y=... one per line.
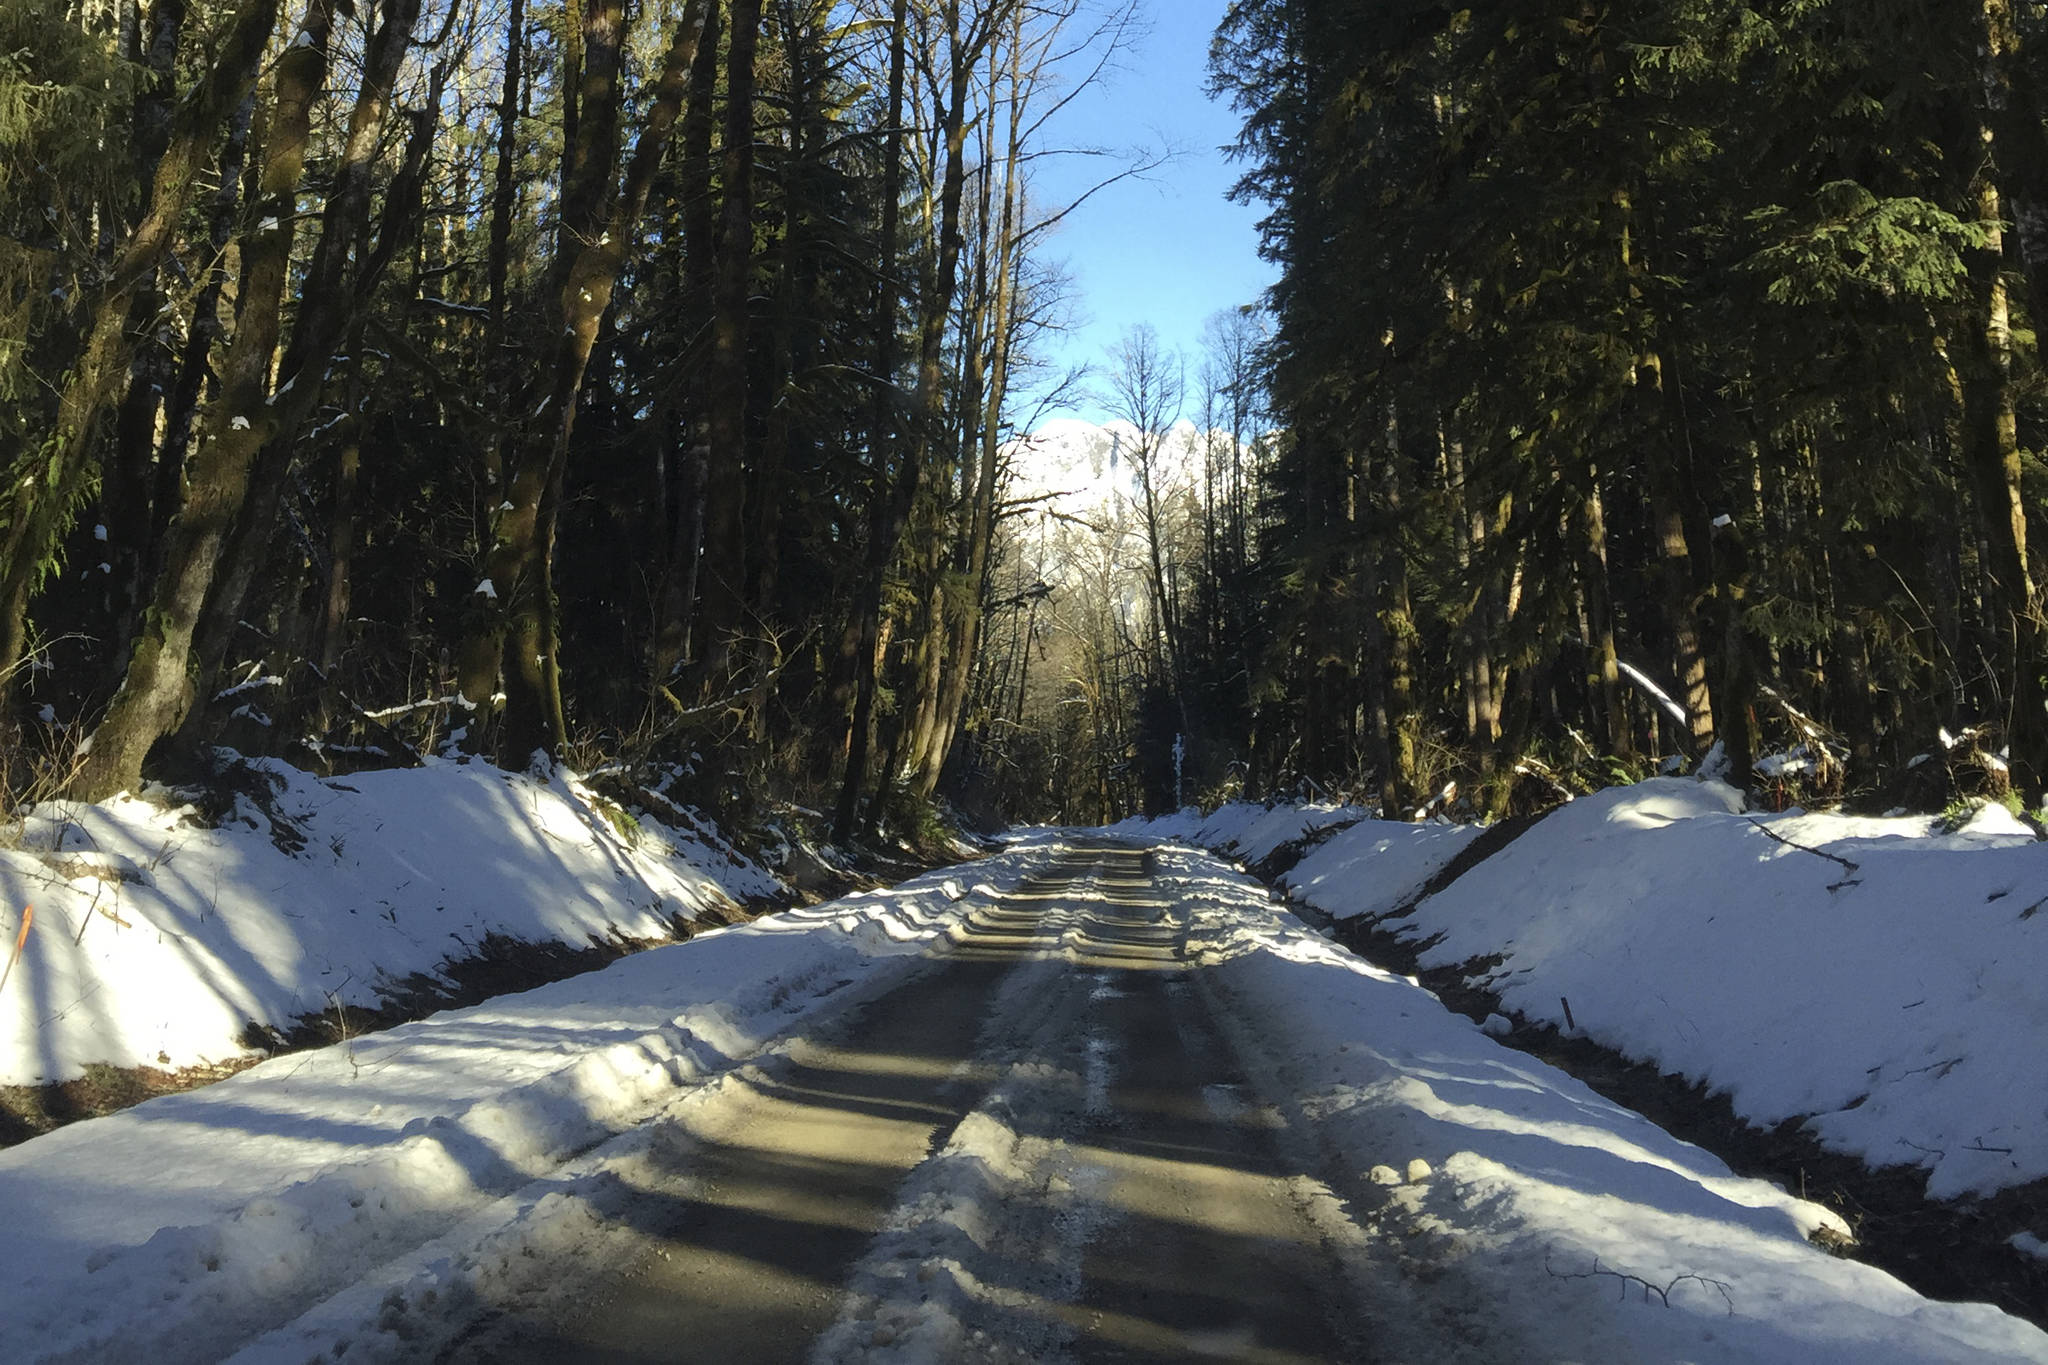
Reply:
x=1525, y=1199
x=1376, y=866
x=1368, y=866
x=1247, y=830
x=1886, y=976
x=156, y=941
x=181, y=1227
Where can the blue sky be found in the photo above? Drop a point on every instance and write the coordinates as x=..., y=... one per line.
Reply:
x=1170, y=249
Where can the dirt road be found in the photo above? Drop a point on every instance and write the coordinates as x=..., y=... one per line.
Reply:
x=1041, y=1148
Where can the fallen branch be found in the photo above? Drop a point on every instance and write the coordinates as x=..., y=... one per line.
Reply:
x=1837, y=859
x=391, y=713
x=736, y=704
x=1662, y=1291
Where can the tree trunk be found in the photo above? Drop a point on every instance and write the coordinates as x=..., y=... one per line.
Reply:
x=129, y=479
x=1665, y=482
x=504, y=189
x=1403, y=722
x=981, y=524
x=1735, y=690
x=156, y=691
x=894, y=489
x=723, y=577
x=927, y=406
x=798, y=305
x=182, y=405
x=2016, y=114
x=341, y=543
x=953, y=600
x=1374, y=652
x=676, y=598
x=1603, y=675
x=514, y=637
x=1990, y=451
x=43, y=491
x=336, y=289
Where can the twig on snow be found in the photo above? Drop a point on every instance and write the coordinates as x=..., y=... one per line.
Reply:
x=1662, y=1291
x=1940, y=1068
x=1851, y=868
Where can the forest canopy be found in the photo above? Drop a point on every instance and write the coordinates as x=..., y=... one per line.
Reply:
x=1654, y=376
x=644, y=384
x=600, y=379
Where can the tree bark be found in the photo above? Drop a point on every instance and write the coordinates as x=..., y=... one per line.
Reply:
x=182, y=405
x=974, y=566
x=2016, y=115
x=129, y=477
x=1603, y=658
x=1665, y=482
x=504, y=189
x=1735, y=692
x=338, y=283
x=798, y=305
x=1398, y=611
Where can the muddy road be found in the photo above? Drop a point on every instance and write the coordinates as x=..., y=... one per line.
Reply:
x=1044, y=1147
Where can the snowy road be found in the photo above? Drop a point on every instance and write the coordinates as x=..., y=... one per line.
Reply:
x=1087, y=1099
x=1045, y=1147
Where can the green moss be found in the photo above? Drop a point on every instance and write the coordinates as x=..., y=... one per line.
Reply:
x=621, y=819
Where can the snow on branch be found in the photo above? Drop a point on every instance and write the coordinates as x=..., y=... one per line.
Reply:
x=1657, y=693
x=407, y=708
x=249, y=685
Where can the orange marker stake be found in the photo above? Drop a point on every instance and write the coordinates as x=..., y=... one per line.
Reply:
x=28, y=917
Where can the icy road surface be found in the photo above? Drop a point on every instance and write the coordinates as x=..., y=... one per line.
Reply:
x=1089, y=1100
